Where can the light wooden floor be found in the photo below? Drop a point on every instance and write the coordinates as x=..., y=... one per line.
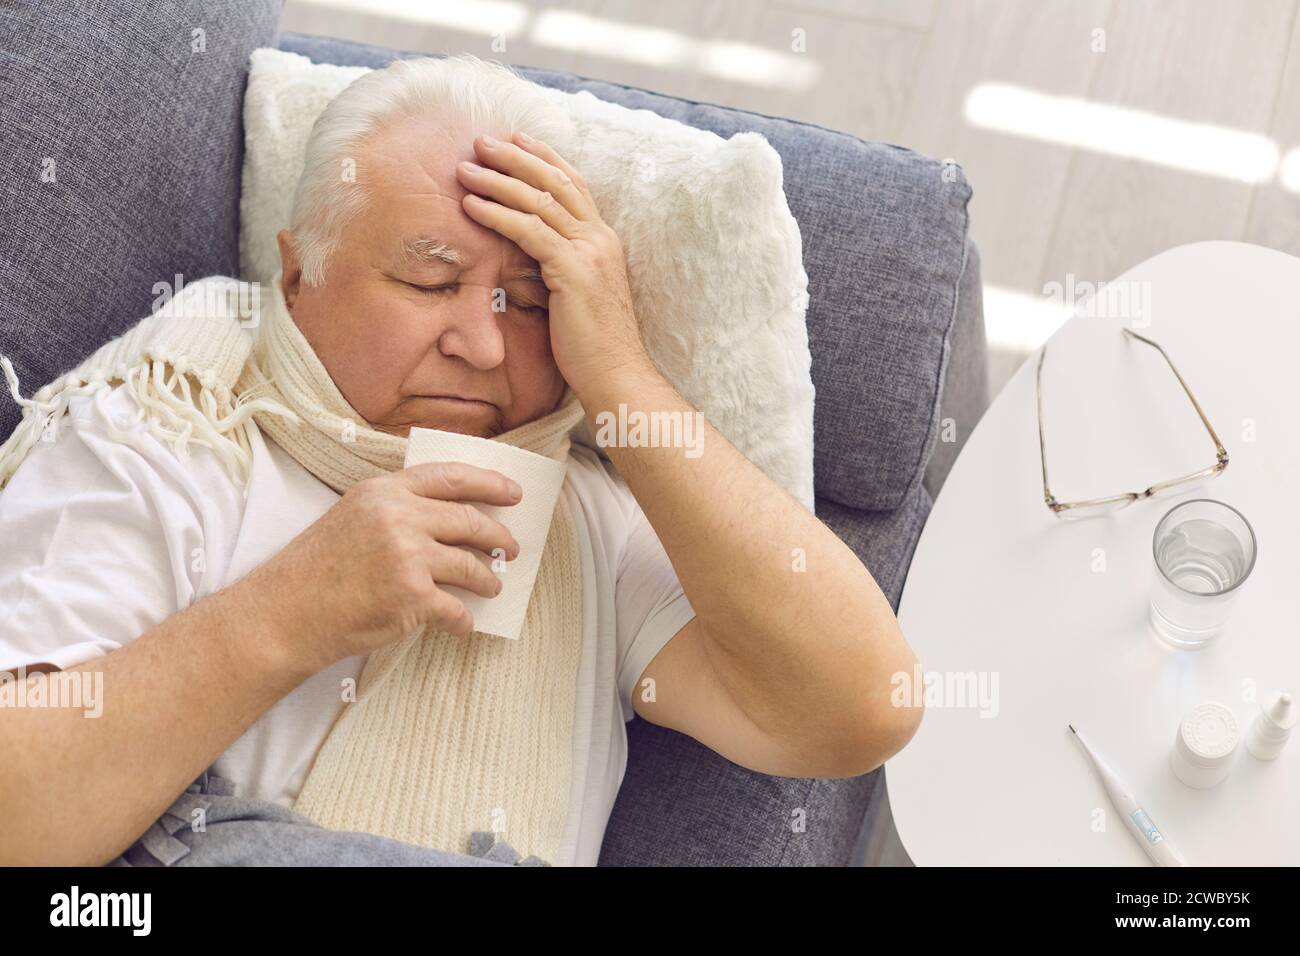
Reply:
x=903, y=71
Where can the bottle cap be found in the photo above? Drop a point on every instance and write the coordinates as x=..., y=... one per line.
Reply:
x=1205, y=744
x=1272, y=726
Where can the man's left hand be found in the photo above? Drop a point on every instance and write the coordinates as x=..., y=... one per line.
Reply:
x=528, y=193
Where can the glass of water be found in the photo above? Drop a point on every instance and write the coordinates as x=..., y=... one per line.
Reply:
x=1204, y=552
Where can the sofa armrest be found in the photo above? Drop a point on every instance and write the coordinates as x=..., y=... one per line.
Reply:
x=965, y=394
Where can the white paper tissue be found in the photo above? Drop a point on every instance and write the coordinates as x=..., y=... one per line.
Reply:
x=529, y=521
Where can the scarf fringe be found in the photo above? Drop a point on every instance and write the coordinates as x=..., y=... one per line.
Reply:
x=168, y=403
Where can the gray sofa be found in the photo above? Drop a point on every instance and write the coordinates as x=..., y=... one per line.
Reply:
x=148, y=149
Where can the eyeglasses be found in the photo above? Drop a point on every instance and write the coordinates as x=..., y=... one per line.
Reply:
x=1093, y=507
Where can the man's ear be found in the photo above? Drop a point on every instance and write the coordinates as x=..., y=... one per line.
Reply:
x=290, y=266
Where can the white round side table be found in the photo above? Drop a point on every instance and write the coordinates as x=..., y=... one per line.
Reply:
x=1024, y=623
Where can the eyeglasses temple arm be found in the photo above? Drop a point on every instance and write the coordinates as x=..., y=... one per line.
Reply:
x=1042, y=442
x=1222, y=452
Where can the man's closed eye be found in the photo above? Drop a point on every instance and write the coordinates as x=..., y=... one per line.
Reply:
x=435, y=289
x=451, y=287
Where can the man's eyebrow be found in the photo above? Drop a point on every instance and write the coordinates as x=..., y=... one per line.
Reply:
x=425, y=250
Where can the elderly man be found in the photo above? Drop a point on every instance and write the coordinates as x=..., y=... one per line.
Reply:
x=461, y=280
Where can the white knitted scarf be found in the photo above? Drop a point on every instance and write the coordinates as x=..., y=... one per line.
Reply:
x=443, y=736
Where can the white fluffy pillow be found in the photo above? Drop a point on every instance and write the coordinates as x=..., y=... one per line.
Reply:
x=714, y=256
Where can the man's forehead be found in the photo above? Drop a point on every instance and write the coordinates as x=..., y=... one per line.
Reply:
x=418, y=156
x=417, y=198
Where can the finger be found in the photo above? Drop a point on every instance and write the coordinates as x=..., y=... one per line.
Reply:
x=527, y=230
x=451, y=613
x=513, y=160
x=463, y=568
x=516, y=194
x=538, y=148
x=460, y=481
x=459, y=523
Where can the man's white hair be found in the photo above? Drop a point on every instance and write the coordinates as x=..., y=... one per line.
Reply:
x=481, y=95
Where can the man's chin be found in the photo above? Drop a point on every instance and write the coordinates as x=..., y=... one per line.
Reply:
x=476, y=431
x=448, y=415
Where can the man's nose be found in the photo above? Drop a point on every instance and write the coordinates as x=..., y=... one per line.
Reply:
x=472, y=332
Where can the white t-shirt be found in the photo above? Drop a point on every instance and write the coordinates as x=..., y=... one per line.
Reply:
x=103, y=538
